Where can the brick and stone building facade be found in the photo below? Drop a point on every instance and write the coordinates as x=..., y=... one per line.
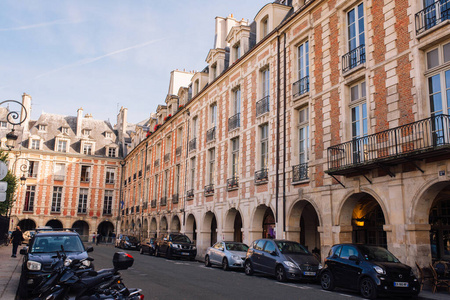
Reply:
x=320, y=121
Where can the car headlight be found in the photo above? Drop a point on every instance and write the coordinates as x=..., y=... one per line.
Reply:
x=379, y=270
x=320, y=266
x=235, y=257
x=86, y=263
x=67, y=262
x=193, y=247
x=33, y=265
x=290, y=264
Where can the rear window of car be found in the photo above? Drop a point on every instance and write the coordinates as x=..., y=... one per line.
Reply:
x=131, y=239
x=270, y=247
x=43, y=244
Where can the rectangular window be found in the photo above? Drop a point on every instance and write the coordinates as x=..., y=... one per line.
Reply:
x=65, y=130
x=155, y=188
x=42, y=127
x=56, y=199
x=235, y=157
x=3, y=124
x=303, y=61
x=264, y=146
x=35, y=144
x=29, y=198
x=212, y=159
x=237, y=101
x=166, y=180
x=33, y=167
x=359, y=110
x=107, y=202
x=112, y=152
x=355, y=27
x=179, y=137
x=303, y=135
x=177, y=182
x=192, y=173
x=237, y=51
x=85, y=173
x=194, y=127
x=62, y=146
x=213, y=111
x=110, y=175
x=82, y=201
x=265, y=82
x=87, y=149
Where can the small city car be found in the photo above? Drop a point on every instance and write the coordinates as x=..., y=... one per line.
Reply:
x=282, y=258
x=370, y=269
x=148, y=246
x=129, y=242
x=226, y=254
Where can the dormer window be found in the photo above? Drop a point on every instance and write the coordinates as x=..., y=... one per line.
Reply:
x=42, y=127
x=197, y=86
x=3, y=124
x=214, y=71
x=112, y=152
x=87, y=149
x=237, y=51
x=61, y=145
x=65, y=130
x=265, y=27
x=86, y=132
x=108, y=135
x=35, y=144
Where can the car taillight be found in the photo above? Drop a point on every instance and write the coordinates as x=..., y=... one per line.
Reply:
x=141, y=297
x=128, y=255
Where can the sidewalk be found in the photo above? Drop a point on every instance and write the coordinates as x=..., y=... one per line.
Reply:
x=10, y=269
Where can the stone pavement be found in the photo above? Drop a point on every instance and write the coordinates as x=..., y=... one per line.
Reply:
x=10, y=268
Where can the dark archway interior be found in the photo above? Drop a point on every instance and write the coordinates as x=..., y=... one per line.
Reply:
x=238, y=228
x=213, y=237
x=368, y=221
x=27, y=224
x=269, y=224
x=440, y=226
x=106, y=230
x=55, y=224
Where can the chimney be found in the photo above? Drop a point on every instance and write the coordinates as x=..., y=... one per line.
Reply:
x=122, y=123
x=25, y=113
x=79, y=121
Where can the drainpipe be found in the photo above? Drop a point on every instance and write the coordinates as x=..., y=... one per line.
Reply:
x=277, y=177
x=185, y=170
x=122, y=164
x=284, y=137
x=144, y=186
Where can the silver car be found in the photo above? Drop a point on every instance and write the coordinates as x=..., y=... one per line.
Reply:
x=226, y=254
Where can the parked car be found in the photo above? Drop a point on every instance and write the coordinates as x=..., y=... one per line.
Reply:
x=370, y=269
x=282, y=258
x=175, y=245
x=40, y=254
x=27, y=235
x=226, y=254
x=148, y=246
x=129, y=242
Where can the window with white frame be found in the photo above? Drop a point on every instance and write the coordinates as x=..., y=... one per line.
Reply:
x=29, y=198
x=355, y=27
x=107, y=202
x=235, y=157
x=265, y=82
x=112, y=152
x=177, y=179
x=264, y=27
x=108, y=134
x=212, y=162
x=213, y=111
x=192, y=165
x=237, y=101
x=264, y=143
x=3, y=124
x=179, y=137
x=303, y=68
x=42, y=127
x=155, y=188
x=61, y=145
x=35, y=144
x=33, y=167
x=303, y=135
x=237, y=51
x=86, y=132
x=110, y=175
x=87, y=149
x=85, y=173
x=166, y=183
x=56, y=199
x=358, y=107
x=83, y=201
x=194, y=127
x=65, y=130
x=59, y=171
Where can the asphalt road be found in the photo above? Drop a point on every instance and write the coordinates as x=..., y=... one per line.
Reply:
x=160, y=278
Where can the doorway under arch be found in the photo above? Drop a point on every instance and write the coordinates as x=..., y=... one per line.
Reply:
x=55, y=224
x=82, y=228
x=191, y=228
x=175, y=224
x=105, y=229
x=26, y=224
x=303, y=225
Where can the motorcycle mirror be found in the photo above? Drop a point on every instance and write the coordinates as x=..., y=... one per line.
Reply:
x=90, y=249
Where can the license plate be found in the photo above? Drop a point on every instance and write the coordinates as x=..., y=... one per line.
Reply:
x=401, y=284
x=309, y=273
x=184, y=253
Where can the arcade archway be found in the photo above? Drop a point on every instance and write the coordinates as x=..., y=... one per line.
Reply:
x=27, y=224
x=55, y=224
x=82, y=228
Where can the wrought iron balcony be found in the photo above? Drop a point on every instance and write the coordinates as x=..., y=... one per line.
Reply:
x=166, y=157
x=163, y=201
x=300, y=87
x=418, y=140
x=432, y=15
x=153, y=203
x=193, y=144
x=262, y=106
x=175, y=198
x=300, y=172
x=232, y=183
x=234, y=122
x=178, y=151
x=156, y=163
x=61, y=177
x=190, y=194
x=211, y=134
x=107, y=211
x=261, y=176
x=354, y=58
x=209, y=189
x=134, y=176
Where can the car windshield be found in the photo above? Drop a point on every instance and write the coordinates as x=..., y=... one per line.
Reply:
x=43, y=244
x=291, y=248
x=131, y=239
x=377, y=254
x=236, y=247
x=180, y=239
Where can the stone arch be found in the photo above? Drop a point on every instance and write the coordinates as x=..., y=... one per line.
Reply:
x=209, y=229
x=263, y=223
x=27, y=224
x=105, y=229
x=175, y=225
x=163, y=225
x=422, y=202
x=54, y=223
x=233, y=225
x=82, y=227
x=145, y=228
x=303, y=222
x=153, y=228
x=191, y=227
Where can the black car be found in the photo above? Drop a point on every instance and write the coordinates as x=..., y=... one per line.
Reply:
x=40, y=254
x=148, y=246
x=282, y=258
x=129, y=242
x=370, y=269
x=175, y=245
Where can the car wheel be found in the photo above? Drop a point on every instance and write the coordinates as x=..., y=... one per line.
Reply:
x=207, y=262
x=248, y=268
x=327, y=281
x=367, y=288
x=141, y=251
x=280, y=273
x=225, y=265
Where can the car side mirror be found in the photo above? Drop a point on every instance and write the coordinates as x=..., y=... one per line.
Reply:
x=273, y=253
x=23, y=251
x=353, y=258
x=90, y=249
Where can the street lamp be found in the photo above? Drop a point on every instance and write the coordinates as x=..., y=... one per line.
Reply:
x=11, y=139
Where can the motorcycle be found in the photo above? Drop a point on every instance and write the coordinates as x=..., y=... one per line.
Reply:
x=69, y=280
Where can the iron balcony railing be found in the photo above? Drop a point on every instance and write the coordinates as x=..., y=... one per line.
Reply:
x=156, y=163
x=166, y=157
x=175, y=198
x=209, y=189
x=262, y=106
x=153, y=203
x=300, y=172
x=178, y=151
x=420, y=139
x=107, y=211
x=190, y=194
x=432, y=15
x=163, y=201
x=211, y=135
x=232, y=183
x=300, y=87
x=354, y=58
x=262, y=176
x=234, y=122
x=134, y=176
x=59, y=177
x=193, y=144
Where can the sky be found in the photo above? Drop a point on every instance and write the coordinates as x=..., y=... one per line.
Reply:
x=104, y=54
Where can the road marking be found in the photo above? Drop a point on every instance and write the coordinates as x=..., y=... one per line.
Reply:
x=143, y=274
x=346, y=295
x=295, y=286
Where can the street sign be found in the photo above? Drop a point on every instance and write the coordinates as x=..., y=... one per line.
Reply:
x=3, y=170
x=2, y=196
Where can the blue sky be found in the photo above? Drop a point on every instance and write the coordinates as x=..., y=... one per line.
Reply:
x=104, y=54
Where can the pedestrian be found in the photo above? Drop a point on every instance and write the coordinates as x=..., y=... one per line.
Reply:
x=93, y=237
x=98, y=238
x=16, y=240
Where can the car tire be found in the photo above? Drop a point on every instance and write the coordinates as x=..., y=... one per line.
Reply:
x=207, y=262
x=368, y=288
x=280, y=273
x=225, y=265
x=248, y=268
x=327, y=281
x=22, y=291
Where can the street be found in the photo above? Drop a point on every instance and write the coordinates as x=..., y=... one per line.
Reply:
x=160, y=278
